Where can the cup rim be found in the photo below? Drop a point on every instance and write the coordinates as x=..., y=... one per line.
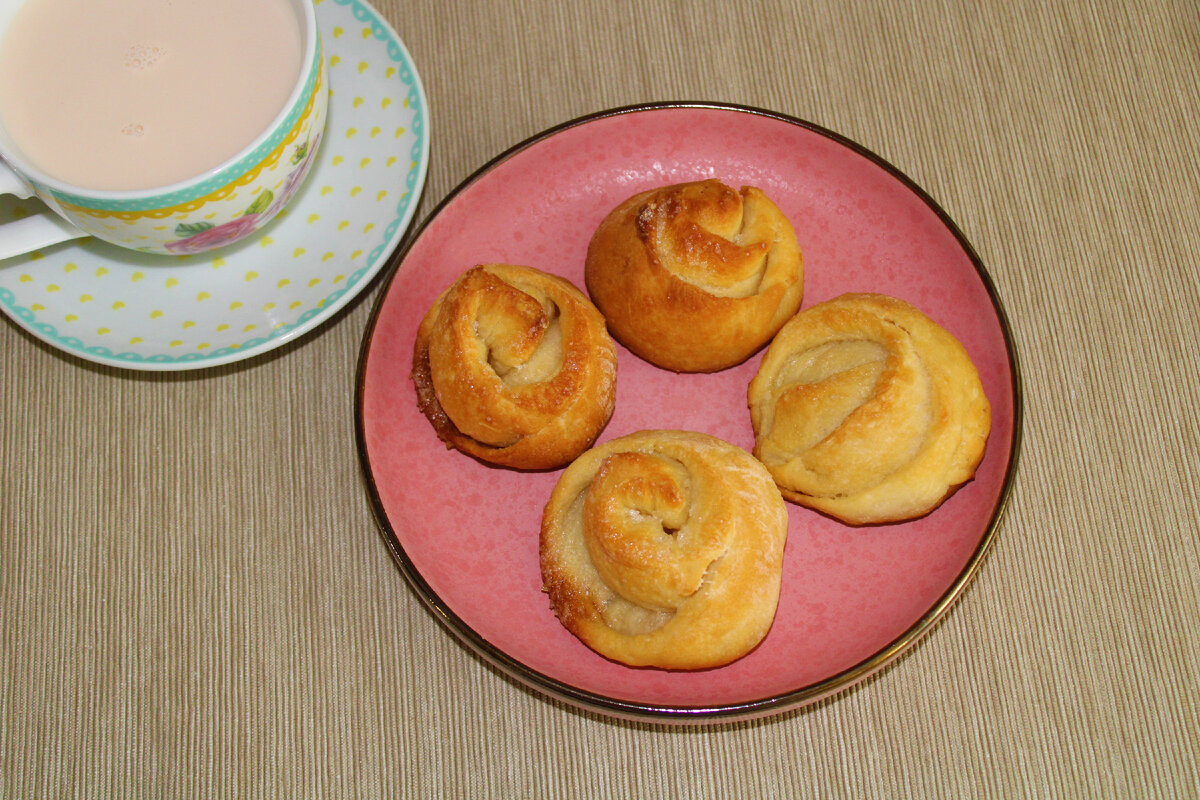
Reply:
x=29, y=172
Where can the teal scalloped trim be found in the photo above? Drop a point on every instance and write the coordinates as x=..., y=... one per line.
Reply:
x=405, y=73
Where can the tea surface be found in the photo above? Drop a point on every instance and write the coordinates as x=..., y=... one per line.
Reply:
x=133, y=94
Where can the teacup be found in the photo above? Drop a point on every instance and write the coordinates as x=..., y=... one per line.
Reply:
x=216, y=208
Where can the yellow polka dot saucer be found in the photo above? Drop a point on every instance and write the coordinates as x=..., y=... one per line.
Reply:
x=114, y=306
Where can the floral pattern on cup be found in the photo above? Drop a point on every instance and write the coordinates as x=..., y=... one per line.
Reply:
x=200, y=236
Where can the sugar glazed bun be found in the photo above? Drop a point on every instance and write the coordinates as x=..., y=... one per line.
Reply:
x=515, y=367
x=665, y=549
x=695, y=277
x=867, y=410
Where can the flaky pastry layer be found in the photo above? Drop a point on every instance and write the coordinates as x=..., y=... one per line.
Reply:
x=695, y=277
x=665, y=549
x=865, y=409
x=515, y=366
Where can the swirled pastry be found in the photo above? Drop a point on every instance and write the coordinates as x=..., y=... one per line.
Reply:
x=665, y=549
x=515, y=367
x=867, y=410
x=695, y=277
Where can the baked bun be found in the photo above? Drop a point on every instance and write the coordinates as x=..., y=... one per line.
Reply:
x=515, y=367
x=867, y=410
x=695, y=277
x=665, y=549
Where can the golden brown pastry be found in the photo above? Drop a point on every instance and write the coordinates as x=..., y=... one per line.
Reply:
x=867, y=410
x=695, y=277
x=515, y=367
x=665, y=549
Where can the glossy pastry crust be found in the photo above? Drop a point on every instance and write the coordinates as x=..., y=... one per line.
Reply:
x=867, y=410
x=665, y=549
x=514, y=366
x=695, y=277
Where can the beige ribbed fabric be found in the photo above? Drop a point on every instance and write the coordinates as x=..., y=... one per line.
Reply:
x=195, y=600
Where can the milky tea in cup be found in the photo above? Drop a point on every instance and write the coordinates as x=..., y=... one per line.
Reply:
x=166, y=126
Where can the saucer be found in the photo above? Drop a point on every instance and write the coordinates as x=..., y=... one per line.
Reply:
x=114, y=306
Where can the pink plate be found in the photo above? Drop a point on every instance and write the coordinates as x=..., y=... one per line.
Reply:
x=466, y=535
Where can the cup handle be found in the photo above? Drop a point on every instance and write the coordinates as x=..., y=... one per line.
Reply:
x=32, y=232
